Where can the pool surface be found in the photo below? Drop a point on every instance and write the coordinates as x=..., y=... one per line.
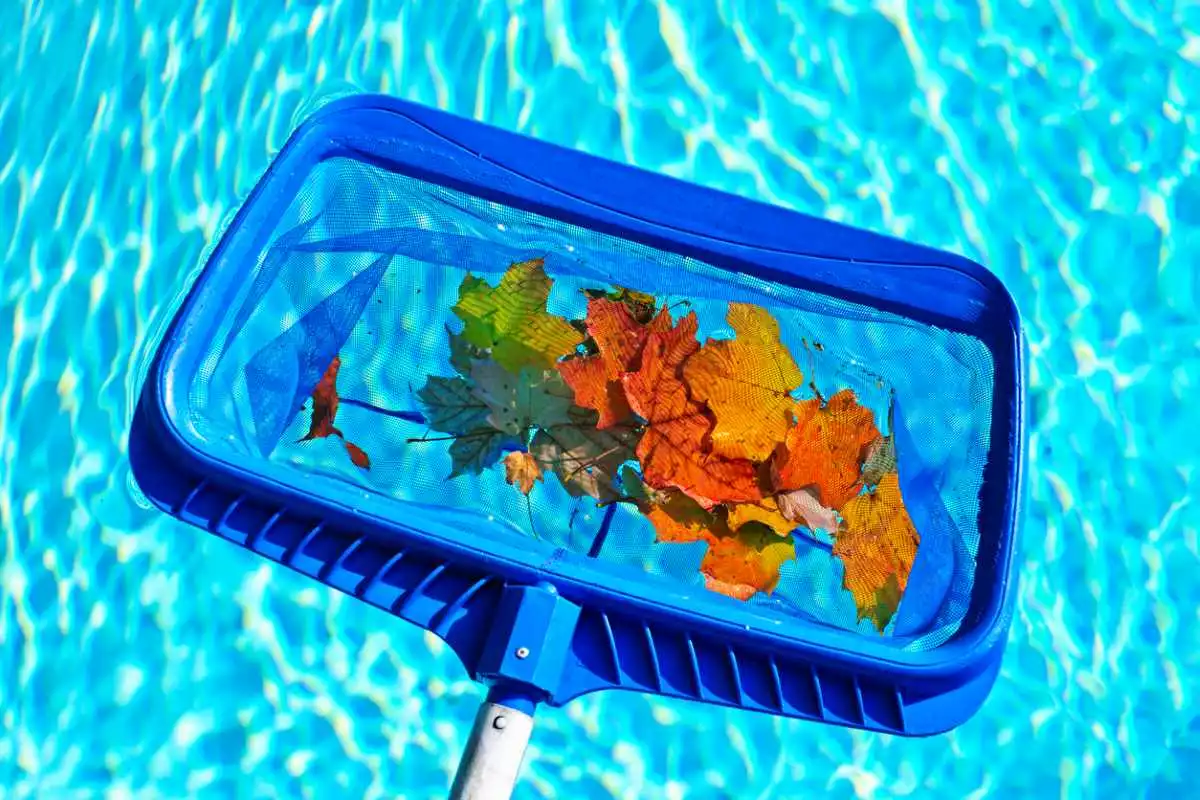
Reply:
x=1057, y=142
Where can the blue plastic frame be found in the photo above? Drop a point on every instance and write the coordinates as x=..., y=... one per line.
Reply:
x=593, y=631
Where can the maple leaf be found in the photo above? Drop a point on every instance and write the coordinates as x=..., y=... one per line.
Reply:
x=746, y=562
x=877, y=544
x=825, y=449
x=325, y=403
x=747, y=382
x=673, y=450
x=585, y=459
x=802, y=506
x=475, y=451
x=521, y=470
x=678, y=518
x=451, y=405
x=640, y=304
x=462, y=352
x=588, y=378
x=511, y=319
x=596, y=379
x=744, y=554
x=324, y=410
x=517, y=403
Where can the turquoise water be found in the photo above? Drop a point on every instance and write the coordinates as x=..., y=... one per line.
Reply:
x=1057, y=143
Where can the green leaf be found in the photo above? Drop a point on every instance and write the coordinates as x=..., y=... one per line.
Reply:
x=511, y=319
x=585, y=459
x=451, y=406
x=521, y=402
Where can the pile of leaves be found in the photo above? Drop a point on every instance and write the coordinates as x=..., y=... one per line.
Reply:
x=708, y=440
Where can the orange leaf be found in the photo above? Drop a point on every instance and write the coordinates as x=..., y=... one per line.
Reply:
x=877, y=544
x=522, y=470
x=596, y=379
x=674, y=449
x=588, y=378
x=825, y=449
x=747, y=382
x=357, y=456
x=325, y=407
x=619, y=337
x=745, y=563
x=678, y=518
x=325, y=403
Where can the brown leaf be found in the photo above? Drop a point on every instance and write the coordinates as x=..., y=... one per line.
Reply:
x=325, y=403
x=324, y=410
x=522, y=470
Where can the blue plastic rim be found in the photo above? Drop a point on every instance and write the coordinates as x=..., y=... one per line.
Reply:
x=596, y=632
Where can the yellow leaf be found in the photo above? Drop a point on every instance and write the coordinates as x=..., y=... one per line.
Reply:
x=877, y=544
x=747, y=382
x=511, y=319
x=746, y=562
x=765, y=512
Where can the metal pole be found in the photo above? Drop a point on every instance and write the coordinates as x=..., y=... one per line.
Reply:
x=492, y=760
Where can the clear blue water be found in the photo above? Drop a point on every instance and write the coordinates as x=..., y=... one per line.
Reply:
x=1057, y=142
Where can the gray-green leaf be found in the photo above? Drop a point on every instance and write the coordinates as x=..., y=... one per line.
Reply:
x=451, y=406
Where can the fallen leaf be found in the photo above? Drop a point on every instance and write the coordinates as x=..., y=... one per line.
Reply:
x=475, y=451
x=642, y=306
x=680, y=519
x=618, y=339
x=747, y=382
x=462, y=352
x=747, y=562
x=521, y=470
x=802, y=506
x=451, y=405
x=880, y=459
x=585, y=458
x=357, y=456
x=825, y=448
x=877, y=544
x=325, y=403
x=588, y=378
x=519, y=403
x=764, y=512
x=324, y=410
x=673, y=450
x=511, y=321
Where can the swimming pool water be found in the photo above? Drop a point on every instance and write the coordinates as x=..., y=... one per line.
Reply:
x=1056, y=142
